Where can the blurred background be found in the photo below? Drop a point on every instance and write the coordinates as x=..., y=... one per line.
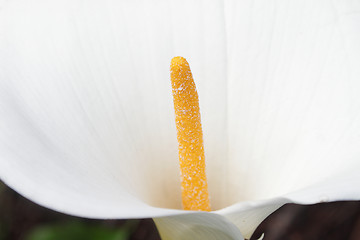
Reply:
x=25, y=220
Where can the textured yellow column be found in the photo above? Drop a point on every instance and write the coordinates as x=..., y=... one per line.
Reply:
x=195, y=194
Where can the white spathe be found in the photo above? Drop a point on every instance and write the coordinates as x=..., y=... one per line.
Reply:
x=86, y=118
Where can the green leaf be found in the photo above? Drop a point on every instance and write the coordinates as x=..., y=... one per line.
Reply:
x=80, y=231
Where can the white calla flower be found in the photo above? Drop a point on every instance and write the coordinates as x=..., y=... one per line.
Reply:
x=86, y=117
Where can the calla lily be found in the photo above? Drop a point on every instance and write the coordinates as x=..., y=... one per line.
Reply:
x=87, y=125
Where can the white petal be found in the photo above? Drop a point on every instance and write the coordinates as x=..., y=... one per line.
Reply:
x=197, y=226
x=340, y=187
x=248, y=215
x=86, y=116
x=294, y=104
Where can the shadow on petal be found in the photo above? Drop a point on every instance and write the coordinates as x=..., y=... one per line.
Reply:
x=197, y=225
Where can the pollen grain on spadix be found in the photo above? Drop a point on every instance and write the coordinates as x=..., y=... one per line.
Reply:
x=195, y=194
